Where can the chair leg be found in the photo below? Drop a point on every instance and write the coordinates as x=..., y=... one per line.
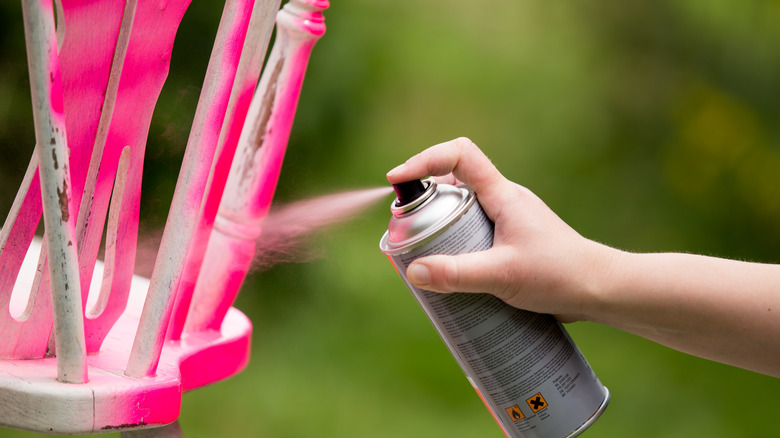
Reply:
x=172, y=430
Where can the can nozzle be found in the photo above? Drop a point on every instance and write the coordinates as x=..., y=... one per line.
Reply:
x=407, y=192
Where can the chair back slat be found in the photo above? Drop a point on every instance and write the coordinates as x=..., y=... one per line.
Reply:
x=15, y=238
x=190, y=188
x=257, y=163
x=58, y=208
x=100, y=75
x=91, y=94
x=140, y=68
x=261, y=25
x=108, y=99
x=27, y=337
x=83, y=75
x=86, y=82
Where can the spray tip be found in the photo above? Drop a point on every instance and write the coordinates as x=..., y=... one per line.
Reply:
x=408, y=191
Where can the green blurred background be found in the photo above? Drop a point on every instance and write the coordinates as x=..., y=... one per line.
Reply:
x=647, y=125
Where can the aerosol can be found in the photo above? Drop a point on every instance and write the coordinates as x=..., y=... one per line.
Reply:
x=523, y=365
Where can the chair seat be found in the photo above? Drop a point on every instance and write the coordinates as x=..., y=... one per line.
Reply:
x=33, y=399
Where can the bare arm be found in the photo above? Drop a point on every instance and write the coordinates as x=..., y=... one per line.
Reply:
x=719, y=309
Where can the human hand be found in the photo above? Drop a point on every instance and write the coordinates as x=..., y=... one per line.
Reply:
x=537, y=261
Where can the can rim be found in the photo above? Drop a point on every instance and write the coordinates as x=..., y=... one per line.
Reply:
x=396, y=248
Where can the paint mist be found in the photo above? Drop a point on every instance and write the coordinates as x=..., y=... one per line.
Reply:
x=288, y=229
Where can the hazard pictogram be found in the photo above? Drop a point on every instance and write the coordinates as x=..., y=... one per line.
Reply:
x=537, y=402
x=515, y=413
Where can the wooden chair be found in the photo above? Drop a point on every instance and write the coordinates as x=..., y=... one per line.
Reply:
x=85, y=345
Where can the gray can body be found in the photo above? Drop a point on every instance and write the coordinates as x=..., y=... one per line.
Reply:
x=524, y=365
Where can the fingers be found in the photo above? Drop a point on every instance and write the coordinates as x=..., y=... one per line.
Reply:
x=461, y=157
x=472, y=272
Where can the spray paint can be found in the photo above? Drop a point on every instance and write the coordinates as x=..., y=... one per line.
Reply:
x=523, y=365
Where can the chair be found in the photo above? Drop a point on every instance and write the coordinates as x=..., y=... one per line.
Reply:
x=85, y=345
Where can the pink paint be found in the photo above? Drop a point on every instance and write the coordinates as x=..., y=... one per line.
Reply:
x=50, y=149
x=23, y=220
x=287, y=228
x=222, y=277
x=181, y=227
x=85, y=57
x=115, y=60
x=248, y=72
x=197, y=252
x=87, y=51
x=58, y=211
x=257, y=163
x=110, y=401
x=17, y=234
x=144, y=69
x=284, y=236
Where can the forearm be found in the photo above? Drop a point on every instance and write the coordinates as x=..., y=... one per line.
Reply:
x=719, y=309
x=724, y=310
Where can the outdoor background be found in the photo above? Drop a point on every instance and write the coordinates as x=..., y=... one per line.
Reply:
x=648, y=125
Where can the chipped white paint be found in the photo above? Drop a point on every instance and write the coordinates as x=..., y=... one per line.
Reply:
x=58, y=214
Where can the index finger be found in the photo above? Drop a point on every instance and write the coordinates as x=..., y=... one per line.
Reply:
x=460, y=157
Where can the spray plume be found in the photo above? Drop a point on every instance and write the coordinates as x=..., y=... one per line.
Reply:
x=287, y=228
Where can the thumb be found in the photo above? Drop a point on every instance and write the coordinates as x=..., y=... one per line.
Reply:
x=471, y=272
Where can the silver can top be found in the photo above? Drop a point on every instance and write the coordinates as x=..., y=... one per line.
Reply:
x=417, y=222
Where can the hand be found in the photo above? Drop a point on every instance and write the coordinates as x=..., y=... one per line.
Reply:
x=537, y=261
x=710, y=307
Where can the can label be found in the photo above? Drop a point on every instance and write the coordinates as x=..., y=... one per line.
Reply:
x=524, y=365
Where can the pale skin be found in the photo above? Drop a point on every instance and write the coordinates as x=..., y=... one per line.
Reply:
x=719, y=309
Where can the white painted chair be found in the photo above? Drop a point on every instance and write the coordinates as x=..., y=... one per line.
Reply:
x=119, y=354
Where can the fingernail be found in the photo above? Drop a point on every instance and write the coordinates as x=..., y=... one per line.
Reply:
x=418, y=274
x=394, y=170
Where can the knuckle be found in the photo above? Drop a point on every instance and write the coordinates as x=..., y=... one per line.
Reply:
x=450, y=274
x=506, y=282
x=464, y=143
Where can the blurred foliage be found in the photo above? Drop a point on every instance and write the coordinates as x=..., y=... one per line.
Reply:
x=647, y=125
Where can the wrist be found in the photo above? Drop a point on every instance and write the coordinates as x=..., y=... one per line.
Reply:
x=601, y=264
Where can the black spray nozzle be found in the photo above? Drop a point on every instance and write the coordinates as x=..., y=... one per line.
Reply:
x=408, y=191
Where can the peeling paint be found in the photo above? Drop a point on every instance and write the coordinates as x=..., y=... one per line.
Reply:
x=124, y=426
x=268, y=99
x=62, y=196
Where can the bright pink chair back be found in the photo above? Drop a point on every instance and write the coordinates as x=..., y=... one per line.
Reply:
x=85, y=345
